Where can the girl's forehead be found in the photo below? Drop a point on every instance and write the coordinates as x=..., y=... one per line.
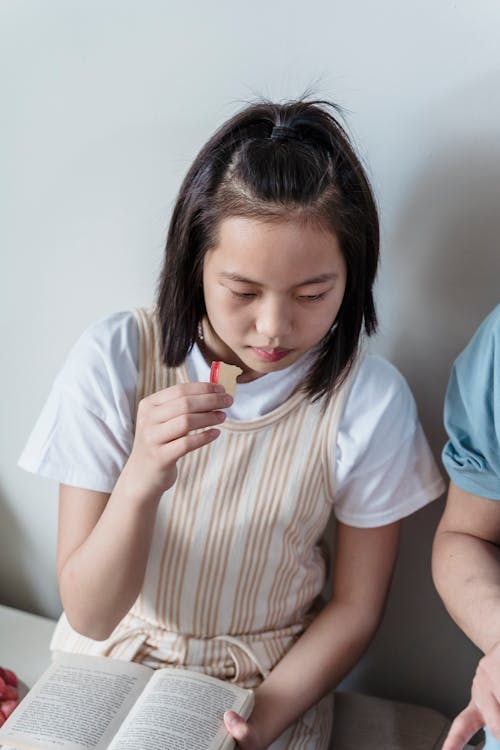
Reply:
x=240, y=236
x=276, y=254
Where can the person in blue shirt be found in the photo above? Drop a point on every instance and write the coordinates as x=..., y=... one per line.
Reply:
x=466, y=554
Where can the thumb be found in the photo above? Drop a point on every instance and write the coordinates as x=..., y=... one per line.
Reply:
x=233, y=722
x=236, y=726
x=463, y=727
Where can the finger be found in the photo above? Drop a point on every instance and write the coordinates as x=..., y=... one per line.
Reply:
x=463, y=728
x=189, y=404
x=490, y=711
x=483, y=697
x=240, y=731
x=184, y=389
x=187, y=444
x=176, y=428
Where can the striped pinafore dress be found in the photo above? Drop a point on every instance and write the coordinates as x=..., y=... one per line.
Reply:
x=235, y=564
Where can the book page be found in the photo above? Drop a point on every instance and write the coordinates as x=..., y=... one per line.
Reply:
x=78, y=703
x=182, y=710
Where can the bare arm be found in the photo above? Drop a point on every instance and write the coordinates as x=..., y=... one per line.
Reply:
x=102, y=554
x=466, y=571
x=104, y=540
x=364, y=561
x=466, y=565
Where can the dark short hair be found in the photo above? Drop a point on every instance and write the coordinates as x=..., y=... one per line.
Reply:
x=275, y=162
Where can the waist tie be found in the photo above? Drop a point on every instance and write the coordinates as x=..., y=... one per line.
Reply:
x=236, y=643
x=246, y=659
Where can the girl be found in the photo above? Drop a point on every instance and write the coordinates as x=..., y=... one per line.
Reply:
x=190, y=522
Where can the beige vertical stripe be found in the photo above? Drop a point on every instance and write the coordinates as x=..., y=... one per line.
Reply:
x=215, y=529
x=259, y=516
x=280, y=490
x=197, y=490
x=306, y=496
x=182, y=512
x=219, y=536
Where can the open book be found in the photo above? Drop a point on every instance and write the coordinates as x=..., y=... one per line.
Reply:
x=83, y=702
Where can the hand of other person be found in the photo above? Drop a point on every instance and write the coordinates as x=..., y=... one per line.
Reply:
x=484, y=706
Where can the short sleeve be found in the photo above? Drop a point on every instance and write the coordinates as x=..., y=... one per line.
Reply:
x=472, y=413
x=384, y=467
x=84, y=433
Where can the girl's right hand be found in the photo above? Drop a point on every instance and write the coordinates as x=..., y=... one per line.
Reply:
x=164, y=433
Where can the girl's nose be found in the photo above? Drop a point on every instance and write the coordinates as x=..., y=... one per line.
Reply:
x=274, y=319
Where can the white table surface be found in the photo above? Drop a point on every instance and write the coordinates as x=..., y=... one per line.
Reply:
x=24, y=643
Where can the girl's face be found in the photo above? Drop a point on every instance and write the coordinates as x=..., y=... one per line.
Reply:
x=272, y=291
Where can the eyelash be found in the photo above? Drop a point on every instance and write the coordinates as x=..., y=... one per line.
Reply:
x=312, y=297
x=243, y=295
x=301, y=297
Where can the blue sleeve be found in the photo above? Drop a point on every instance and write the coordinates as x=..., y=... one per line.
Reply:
x=472, y=413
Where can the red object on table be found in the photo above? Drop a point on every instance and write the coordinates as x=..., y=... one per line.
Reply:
x=9, y=693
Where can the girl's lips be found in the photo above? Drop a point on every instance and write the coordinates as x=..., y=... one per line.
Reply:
x=270, y=355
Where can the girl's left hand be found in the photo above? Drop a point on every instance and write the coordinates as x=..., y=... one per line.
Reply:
x=242, y=731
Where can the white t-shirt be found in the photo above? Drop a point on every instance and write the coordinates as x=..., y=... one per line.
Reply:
x=83, y=437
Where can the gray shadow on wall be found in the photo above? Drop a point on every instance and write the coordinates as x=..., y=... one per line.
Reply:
x=16, y=577
x=445, y=257
x=449, y=268
x=418, y=655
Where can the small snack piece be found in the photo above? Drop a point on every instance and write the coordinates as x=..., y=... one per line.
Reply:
x=9, y=693
x=225, y=375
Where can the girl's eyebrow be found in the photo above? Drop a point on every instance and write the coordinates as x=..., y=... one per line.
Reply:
x=320, y=279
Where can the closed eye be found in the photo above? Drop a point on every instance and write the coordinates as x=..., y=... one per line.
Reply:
x=243, y=295
x=312, y=297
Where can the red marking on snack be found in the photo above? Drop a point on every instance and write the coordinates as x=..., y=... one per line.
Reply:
x=225, y=375
x=214, y=372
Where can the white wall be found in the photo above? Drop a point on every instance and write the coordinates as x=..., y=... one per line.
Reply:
x=104, y=105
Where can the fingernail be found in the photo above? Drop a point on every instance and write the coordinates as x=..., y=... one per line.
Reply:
x=228, y=399
x=230, y=718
